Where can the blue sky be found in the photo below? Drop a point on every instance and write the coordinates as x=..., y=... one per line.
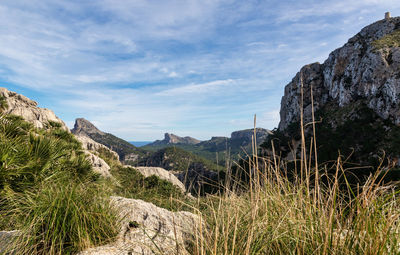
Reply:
x=140, y=68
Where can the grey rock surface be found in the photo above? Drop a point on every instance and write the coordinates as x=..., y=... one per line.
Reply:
x=98, y=164
x=85, y=127
x=148, y=229
x=28, y=109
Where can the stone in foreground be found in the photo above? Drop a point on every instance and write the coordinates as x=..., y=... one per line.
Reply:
x=148, y=229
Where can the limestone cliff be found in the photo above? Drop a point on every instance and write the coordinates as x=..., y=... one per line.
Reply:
x=356, y=94
x=366, y=68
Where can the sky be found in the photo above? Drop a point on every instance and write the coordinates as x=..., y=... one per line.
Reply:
x=199, y=68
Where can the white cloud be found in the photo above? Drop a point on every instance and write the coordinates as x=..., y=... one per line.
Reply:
x=173, y=75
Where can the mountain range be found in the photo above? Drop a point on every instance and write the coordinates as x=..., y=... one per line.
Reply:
x=218, y=148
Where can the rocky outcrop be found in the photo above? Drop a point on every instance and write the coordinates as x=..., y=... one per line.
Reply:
x=174, y=139
x=148, y=229
x=98, y=164
x=26, y=108
x=162, y=174
x=365, y=68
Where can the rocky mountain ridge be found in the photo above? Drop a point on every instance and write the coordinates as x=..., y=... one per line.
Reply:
x=219, y=148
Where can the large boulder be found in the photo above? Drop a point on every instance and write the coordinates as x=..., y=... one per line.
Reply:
x=26, y=108
x=148, y=229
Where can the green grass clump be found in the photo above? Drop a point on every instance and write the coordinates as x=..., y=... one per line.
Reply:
x=389, y=40
x=49, y=192
x=62, y=218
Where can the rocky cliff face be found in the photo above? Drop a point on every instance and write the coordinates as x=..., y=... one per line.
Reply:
x=20, y=105
x=366, y=68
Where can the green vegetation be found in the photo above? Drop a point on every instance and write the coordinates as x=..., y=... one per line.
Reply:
x=316, y=211
x=200, y=175
x=220, y=150
x=62, y=217
x=130, y=183
x=388, y=41
x=48, y=191
x=218, y=156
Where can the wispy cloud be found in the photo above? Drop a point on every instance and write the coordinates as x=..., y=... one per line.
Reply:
x=196, y=89
x=140, y=68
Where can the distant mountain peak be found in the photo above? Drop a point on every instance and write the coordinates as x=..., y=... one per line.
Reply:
x=174, y=139
x=83, y=126
x=171, y=138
